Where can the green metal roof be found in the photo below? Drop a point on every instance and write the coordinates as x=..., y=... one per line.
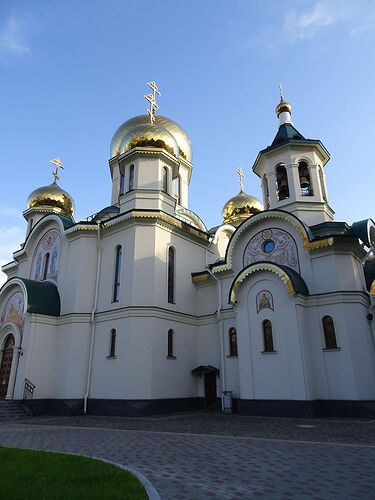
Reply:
x=42, y=297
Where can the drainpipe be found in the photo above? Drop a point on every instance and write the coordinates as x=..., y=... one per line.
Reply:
x=370, y=309
x=92, y=319
x=221, y=336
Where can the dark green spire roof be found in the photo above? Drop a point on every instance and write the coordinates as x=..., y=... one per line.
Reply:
x=285, y=133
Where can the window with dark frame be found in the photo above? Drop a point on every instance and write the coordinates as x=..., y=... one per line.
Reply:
x=267, y=336
x=45, y=266
x=112, y=345
x=122, y=184
x=170, y=344
x=171, y=274
x=165, y=179
x=177, y=188
x=233, y=351
x=329, y=333
x=131, y=177
x=116, y=284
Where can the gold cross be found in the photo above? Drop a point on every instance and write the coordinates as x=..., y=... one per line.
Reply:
x=151, y=98
x=241, y=174
x=281, y=91
x=58, y=164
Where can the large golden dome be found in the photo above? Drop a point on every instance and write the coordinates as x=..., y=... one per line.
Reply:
x=241, y=207
x=52, y=198
x=164, y=133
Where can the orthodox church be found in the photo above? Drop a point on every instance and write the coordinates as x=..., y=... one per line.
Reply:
x=142, y=309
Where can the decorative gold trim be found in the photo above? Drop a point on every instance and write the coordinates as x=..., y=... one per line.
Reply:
x=200, y=277
x=261, y=267
x=372, y=289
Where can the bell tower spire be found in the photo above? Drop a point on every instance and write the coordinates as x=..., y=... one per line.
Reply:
x=291, y=170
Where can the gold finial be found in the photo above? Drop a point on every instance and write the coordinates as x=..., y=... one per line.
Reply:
x=58, y=164
x=152, y=100
x=282, y=106
x=241, y=174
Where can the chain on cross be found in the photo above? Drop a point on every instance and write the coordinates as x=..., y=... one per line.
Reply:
x=241, y=174
x=58, y=164
x=151, y=98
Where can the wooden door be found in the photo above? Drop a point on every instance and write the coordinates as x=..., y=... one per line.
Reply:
x=6, y=365
x=209, y=389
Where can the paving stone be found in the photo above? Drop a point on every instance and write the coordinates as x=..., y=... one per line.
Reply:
x=223, y=466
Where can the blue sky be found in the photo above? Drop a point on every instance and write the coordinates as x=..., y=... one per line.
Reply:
x=72, y=72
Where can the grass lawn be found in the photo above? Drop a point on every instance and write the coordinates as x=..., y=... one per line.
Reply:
x=40, y=475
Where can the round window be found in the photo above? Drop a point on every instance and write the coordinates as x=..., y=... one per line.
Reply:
x=268, y=246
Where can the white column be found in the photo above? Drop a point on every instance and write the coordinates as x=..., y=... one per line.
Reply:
x=293, y=181
x=271, y=178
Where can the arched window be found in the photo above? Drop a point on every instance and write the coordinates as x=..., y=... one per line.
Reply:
x=177, y=188
x=165, y=179
x=329, y=333
x=266, y=192
x=45, y=266
x=116, y=284
x=323, y=184
x=122, y=184
x=171, y=274
x=112, y=344
x=233, y=351
x=282, y=182
x=304, y=179
x=131, y=177
x=170, y=344
x=267, y=336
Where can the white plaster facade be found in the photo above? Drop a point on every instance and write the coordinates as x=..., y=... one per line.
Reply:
x=313, y=268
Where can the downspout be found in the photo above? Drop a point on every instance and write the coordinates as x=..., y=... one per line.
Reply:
x=92, y=320
x=221, y=336
x=370, y=309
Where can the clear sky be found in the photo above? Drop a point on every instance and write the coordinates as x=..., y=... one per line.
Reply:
x=73, y=71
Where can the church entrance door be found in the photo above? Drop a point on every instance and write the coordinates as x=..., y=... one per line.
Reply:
x=209, y=389
x=6, y=365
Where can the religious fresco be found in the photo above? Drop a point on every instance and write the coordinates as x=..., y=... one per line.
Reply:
x=264, y=300
x=13, y=311
x=272, y=245
x=47, y=253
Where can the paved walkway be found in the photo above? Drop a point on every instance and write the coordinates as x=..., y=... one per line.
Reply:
x=202, y=466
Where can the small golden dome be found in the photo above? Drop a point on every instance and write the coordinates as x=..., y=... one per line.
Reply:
x=178, y=133
x=241, y=207
x=149, y=135
x=53, y=199
x=283, y=106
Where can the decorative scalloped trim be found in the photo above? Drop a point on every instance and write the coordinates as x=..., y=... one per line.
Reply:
x=263, y=215
x=260, y=267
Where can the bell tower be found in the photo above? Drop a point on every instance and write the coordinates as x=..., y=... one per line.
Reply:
x=291, y=172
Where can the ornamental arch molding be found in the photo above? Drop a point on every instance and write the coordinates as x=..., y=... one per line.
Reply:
x=35, y=234
x=293, y=282
x=267, y=215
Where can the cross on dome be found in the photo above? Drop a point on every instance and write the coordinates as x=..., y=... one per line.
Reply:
x=241, y=174
x=58, y=164
x=151, y=98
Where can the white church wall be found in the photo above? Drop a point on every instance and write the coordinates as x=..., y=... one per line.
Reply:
x=272, y=375
x=172, y=378
x=70, y=363
x=40, y=350
x=335, y=271
x=129, y=374
x=109, y=243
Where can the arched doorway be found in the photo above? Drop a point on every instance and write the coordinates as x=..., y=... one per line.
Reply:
x=6, y=365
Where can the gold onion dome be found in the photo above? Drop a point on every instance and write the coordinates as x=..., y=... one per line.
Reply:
x=283, y=106
x=163, y=133
x=241, y=207
x=52, y=198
